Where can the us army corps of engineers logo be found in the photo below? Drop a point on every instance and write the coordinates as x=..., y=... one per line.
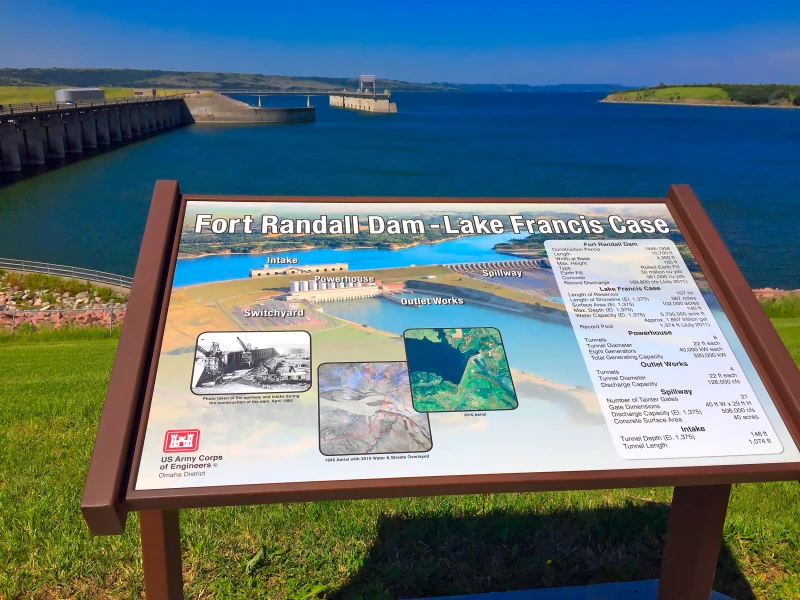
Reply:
x=182, y=440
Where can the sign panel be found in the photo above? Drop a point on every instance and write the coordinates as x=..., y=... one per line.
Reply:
x=664, y=374
x=346, y=341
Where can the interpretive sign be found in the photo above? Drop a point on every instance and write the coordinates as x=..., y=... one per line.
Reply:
x=365, y=341
x=297, y=349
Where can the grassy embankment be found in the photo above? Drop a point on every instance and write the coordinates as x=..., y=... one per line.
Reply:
x=10, y=94
x=718, y=94
x=50, y=400
x=785, y=316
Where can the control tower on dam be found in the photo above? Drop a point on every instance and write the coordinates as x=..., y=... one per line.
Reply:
x=377, y=103
x=365, y=98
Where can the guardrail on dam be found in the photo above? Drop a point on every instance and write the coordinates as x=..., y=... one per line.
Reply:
x=33, y=134
x=32, y=266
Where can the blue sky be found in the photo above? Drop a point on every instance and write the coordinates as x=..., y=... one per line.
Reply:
x=627, y=42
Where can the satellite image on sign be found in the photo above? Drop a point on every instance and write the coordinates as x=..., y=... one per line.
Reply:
x=365, y=408
x=459, y=370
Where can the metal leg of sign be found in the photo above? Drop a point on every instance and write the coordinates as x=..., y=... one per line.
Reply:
x=694, y=536
x=161, y=554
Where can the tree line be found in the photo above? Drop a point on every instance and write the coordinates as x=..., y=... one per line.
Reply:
x=753, y=94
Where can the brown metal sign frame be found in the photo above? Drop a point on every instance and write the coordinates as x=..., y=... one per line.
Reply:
x=700, y=498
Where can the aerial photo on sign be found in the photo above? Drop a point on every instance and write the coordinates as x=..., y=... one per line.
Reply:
x=341, y=341
x=366, y=408
x=458, y=370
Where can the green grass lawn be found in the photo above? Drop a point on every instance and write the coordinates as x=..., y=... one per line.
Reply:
x=770, y=94
x=790, y=334
x=51, y=394
x=10, y=94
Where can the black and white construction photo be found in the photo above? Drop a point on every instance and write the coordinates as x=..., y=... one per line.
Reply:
x=252, y=362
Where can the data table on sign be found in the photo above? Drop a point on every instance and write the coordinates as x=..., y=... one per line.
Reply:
x=667, y=380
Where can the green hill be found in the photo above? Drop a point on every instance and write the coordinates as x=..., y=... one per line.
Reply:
x=128, y=78
x=714, y=93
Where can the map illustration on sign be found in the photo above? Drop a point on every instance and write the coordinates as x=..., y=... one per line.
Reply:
x=366, y=408
x=459, y=370
x=252, y=362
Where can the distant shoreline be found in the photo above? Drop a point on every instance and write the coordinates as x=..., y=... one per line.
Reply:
x=183, y=255
x=696, y=103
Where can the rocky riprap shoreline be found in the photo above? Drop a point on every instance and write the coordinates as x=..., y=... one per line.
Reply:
x=105, y=317
x=56, y=305
x=16, y=299
x=767, y=293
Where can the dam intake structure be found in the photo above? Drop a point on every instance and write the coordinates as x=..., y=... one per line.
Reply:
x=363, y=101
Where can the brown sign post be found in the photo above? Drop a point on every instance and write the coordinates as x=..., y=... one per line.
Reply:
x=114, y=481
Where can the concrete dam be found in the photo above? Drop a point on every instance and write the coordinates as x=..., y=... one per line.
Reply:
x=35, y=134
x=46, y=133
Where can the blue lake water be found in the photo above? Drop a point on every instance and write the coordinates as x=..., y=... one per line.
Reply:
x=425, y=355
x=744, y=164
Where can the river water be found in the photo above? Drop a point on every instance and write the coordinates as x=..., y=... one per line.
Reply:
x=743, y=163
